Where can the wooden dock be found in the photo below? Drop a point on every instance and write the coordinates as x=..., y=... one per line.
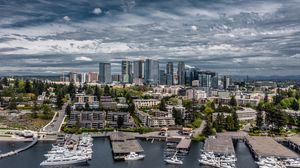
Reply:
x=219, y=145
x=123, y=143
x=262, y=146
x=293, y=143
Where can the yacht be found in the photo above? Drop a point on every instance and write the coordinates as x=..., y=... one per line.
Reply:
x=291, y=163
x=174, y=160
x=54, y=161
x=134, y=156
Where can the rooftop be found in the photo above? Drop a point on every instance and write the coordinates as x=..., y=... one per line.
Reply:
x=184, y=143
x=126, y=147
x=121, y=136
x=219, y=145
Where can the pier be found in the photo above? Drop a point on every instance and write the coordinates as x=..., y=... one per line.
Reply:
x=293, y=143
x=34, y=141
x=266, y=146
x=123, y=143
x=219, y=145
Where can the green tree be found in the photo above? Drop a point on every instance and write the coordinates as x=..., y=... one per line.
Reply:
x=5, y=81
x=266, y=98
x=235, y=120
x=87, y=106
x=12, y=104
x=295, y=105
x=233, y=101
x=106, y=90
x=27, y=86
x=230, y=123
x=72, y=90
x=208, y=129
x=59, y=100
x=178, y=117
x=259, y=119
x=162, y=105
x=68, y=110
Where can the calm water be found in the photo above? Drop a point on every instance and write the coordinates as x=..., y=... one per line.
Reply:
x=102, y=156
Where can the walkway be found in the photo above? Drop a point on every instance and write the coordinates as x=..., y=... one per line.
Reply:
x=35, y=140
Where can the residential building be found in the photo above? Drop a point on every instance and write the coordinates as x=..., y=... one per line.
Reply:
x=113, y=117
x=116, y=78
x=108, y=103
x=88, y=119
x=246, y=114
x=145, y=102
x=92, y=77
x=73, y=77
x=104, y=72
x=81, y=99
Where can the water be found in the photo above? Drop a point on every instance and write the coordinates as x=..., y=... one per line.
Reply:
x=102, y=156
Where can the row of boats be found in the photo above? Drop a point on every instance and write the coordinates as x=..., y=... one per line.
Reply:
x=77, y=153
x=272, y=162
x=223, y=161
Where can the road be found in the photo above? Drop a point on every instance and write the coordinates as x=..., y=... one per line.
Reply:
x=199, y=130
x=56, y=122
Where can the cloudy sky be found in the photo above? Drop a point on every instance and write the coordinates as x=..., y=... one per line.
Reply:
x=238, y=37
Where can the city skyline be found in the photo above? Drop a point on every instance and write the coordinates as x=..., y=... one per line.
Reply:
x=234, y=37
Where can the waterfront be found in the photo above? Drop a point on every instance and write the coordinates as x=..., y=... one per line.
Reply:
x=102, y=156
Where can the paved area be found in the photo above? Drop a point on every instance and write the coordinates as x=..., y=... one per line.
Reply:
x=55, y=124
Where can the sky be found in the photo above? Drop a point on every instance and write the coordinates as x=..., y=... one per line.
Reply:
x=232, y=37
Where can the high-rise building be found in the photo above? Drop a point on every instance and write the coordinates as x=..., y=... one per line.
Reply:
x=73, y=77
x=215, y=81
x=138, y=69
x=204, y=80
x=162, y=77
x=226, y=81
x=83, y=77
x=104, y=72
x=126, y=71
x=92, y=77
x=170, y=71
x=151, y=71
x=181, y=73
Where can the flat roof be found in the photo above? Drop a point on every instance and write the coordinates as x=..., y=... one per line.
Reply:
x=267, y=146
x=184, y=143
x=126, y=147
x=121, y=136
x=219, y=145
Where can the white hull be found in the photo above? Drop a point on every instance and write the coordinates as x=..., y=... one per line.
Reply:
x=48, y=163
x=134, y=158
x=172, y=162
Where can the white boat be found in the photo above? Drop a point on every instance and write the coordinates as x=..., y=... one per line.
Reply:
x=210, y=162
x=174, y=160
x=134, y=156
x=54, y=161
x=290, y=163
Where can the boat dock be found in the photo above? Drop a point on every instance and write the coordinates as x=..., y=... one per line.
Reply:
x=262, y=146
x=14, y=152
x=293, y=143
x=219, y=145
x=123, y=143
x=184, y=144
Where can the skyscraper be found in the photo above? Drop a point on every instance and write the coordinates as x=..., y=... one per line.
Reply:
x=162, y=77
x=126, y=71
x=151, y=71
x=170, y=72
x=181, y=73
x=138, y=69
x=204, y=80
x=104, y=72
x=226, y=81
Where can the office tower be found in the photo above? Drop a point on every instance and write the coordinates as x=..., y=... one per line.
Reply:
x=215, y=81
x=126, y=71
x=104, y=72
x=204, y=80
x=73, y=77
x=162, y=77
x=181, y=73
x=170, y=71
x=226, y=81
x=138, y=69
x=151, y=71
x=116, y=77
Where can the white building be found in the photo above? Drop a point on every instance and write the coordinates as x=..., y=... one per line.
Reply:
x=199, y=94
x=145, y=102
